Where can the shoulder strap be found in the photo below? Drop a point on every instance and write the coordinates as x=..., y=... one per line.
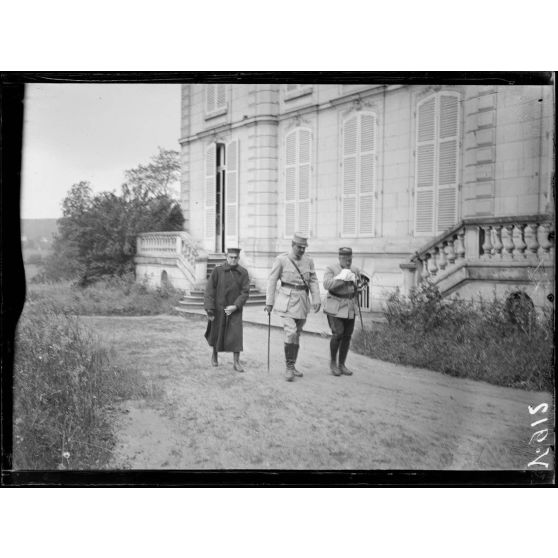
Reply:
x=301, y=276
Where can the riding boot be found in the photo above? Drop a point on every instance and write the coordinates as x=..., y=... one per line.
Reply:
x=333, y=347
x=343, y=352
x=296, y=372
x=214, y=358
x=289, y=355
x=237, y=366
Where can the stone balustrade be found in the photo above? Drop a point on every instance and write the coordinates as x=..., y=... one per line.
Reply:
x=180, y=246
x=512, y=239
x=516, y=240
x=157, y=244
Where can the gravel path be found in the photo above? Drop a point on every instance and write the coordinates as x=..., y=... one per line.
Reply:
x=385, y=416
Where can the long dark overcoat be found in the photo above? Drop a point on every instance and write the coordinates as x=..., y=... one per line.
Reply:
x=227, y=285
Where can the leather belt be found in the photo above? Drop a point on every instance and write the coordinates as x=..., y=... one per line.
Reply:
x=293, y=286
x=342, y=295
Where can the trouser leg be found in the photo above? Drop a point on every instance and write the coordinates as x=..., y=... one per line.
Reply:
x=336, y=326
x=349, y=326
x=214, y=358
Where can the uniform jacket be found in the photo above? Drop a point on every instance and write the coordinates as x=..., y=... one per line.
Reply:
x=340, y=306
x=227, y=285
x=287, y=301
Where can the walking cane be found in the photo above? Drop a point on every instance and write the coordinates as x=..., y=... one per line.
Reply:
x=268, y=337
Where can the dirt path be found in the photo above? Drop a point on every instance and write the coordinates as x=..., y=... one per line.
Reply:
x=386, y=416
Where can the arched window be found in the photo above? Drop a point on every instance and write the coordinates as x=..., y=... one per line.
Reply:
x=298, y=174
x=437, y=144
x=359, y=175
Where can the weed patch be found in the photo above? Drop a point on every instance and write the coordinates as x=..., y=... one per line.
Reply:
x=493, y=341
x=64, y=387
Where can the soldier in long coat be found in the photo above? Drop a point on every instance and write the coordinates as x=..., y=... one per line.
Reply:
x=342, y=282
x=298, y=292
x=226, y=293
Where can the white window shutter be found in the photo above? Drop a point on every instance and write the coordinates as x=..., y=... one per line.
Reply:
x=349, y=210
x=304, y=145
x=231, y=194
x=221, y=96
x=210, y=184
x=425, y=167
x=448, y=142
x=210, y=98
x=367, y=175
x=290, y=183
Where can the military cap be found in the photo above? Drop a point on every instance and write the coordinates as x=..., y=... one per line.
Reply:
x=233, y=251
x=299, y=239
x=345, y=251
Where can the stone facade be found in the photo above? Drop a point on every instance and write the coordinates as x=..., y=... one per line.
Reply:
x=490, y=155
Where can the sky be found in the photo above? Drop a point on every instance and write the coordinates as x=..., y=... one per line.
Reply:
x=92, y=132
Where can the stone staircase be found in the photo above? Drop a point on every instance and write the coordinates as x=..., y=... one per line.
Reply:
x=194, y=299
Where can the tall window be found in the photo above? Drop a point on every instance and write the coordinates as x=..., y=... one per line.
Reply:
x=359, y=175
x=215, y=98
x=221, y=195
x=298, y=164
x=437, y=144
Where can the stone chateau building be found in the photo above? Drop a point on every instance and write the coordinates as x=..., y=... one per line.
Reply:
x=450, y=183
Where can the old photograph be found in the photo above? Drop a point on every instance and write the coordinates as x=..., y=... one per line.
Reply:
x=341, y=274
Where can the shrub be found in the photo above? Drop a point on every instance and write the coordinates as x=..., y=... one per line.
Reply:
x=482, y=340
x=64, y=383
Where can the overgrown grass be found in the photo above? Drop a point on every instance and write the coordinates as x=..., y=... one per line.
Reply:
x=482, y=340
x=115, y=295
x=64, y=388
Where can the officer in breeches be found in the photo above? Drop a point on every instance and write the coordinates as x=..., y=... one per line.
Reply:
x=343, y=283
x=292, y=299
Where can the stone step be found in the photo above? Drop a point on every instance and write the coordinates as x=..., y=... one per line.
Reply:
x=198, y=304
x=189, y=299
x=200, y=292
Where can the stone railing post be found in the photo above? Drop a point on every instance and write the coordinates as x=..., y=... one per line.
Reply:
x=201, y=270
x=519, y=244
x=471, y=243
x=487, y=244
x=507, y=241
x=409, y=277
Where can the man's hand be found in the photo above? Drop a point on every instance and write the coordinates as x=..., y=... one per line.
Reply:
x=210, y=316
x=316, y=307
x=230, y=309
x=268, y=308
x=345, y=275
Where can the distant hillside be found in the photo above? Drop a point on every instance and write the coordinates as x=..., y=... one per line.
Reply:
x=37, y=229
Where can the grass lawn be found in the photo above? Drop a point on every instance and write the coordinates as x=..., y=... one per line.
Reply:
x=385, y=416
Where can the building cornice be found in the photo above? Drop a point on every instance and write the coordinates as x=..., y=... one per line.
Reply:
x=228, y=126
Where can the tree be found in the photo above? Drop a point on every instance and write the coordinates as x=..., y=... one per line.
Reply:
x=160, y=177
x=97, y=231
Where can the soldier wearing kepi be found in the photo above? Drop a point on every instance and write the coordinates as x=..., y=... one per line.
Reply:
x=298, y=292
x=342, y=282
x=226, y=292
